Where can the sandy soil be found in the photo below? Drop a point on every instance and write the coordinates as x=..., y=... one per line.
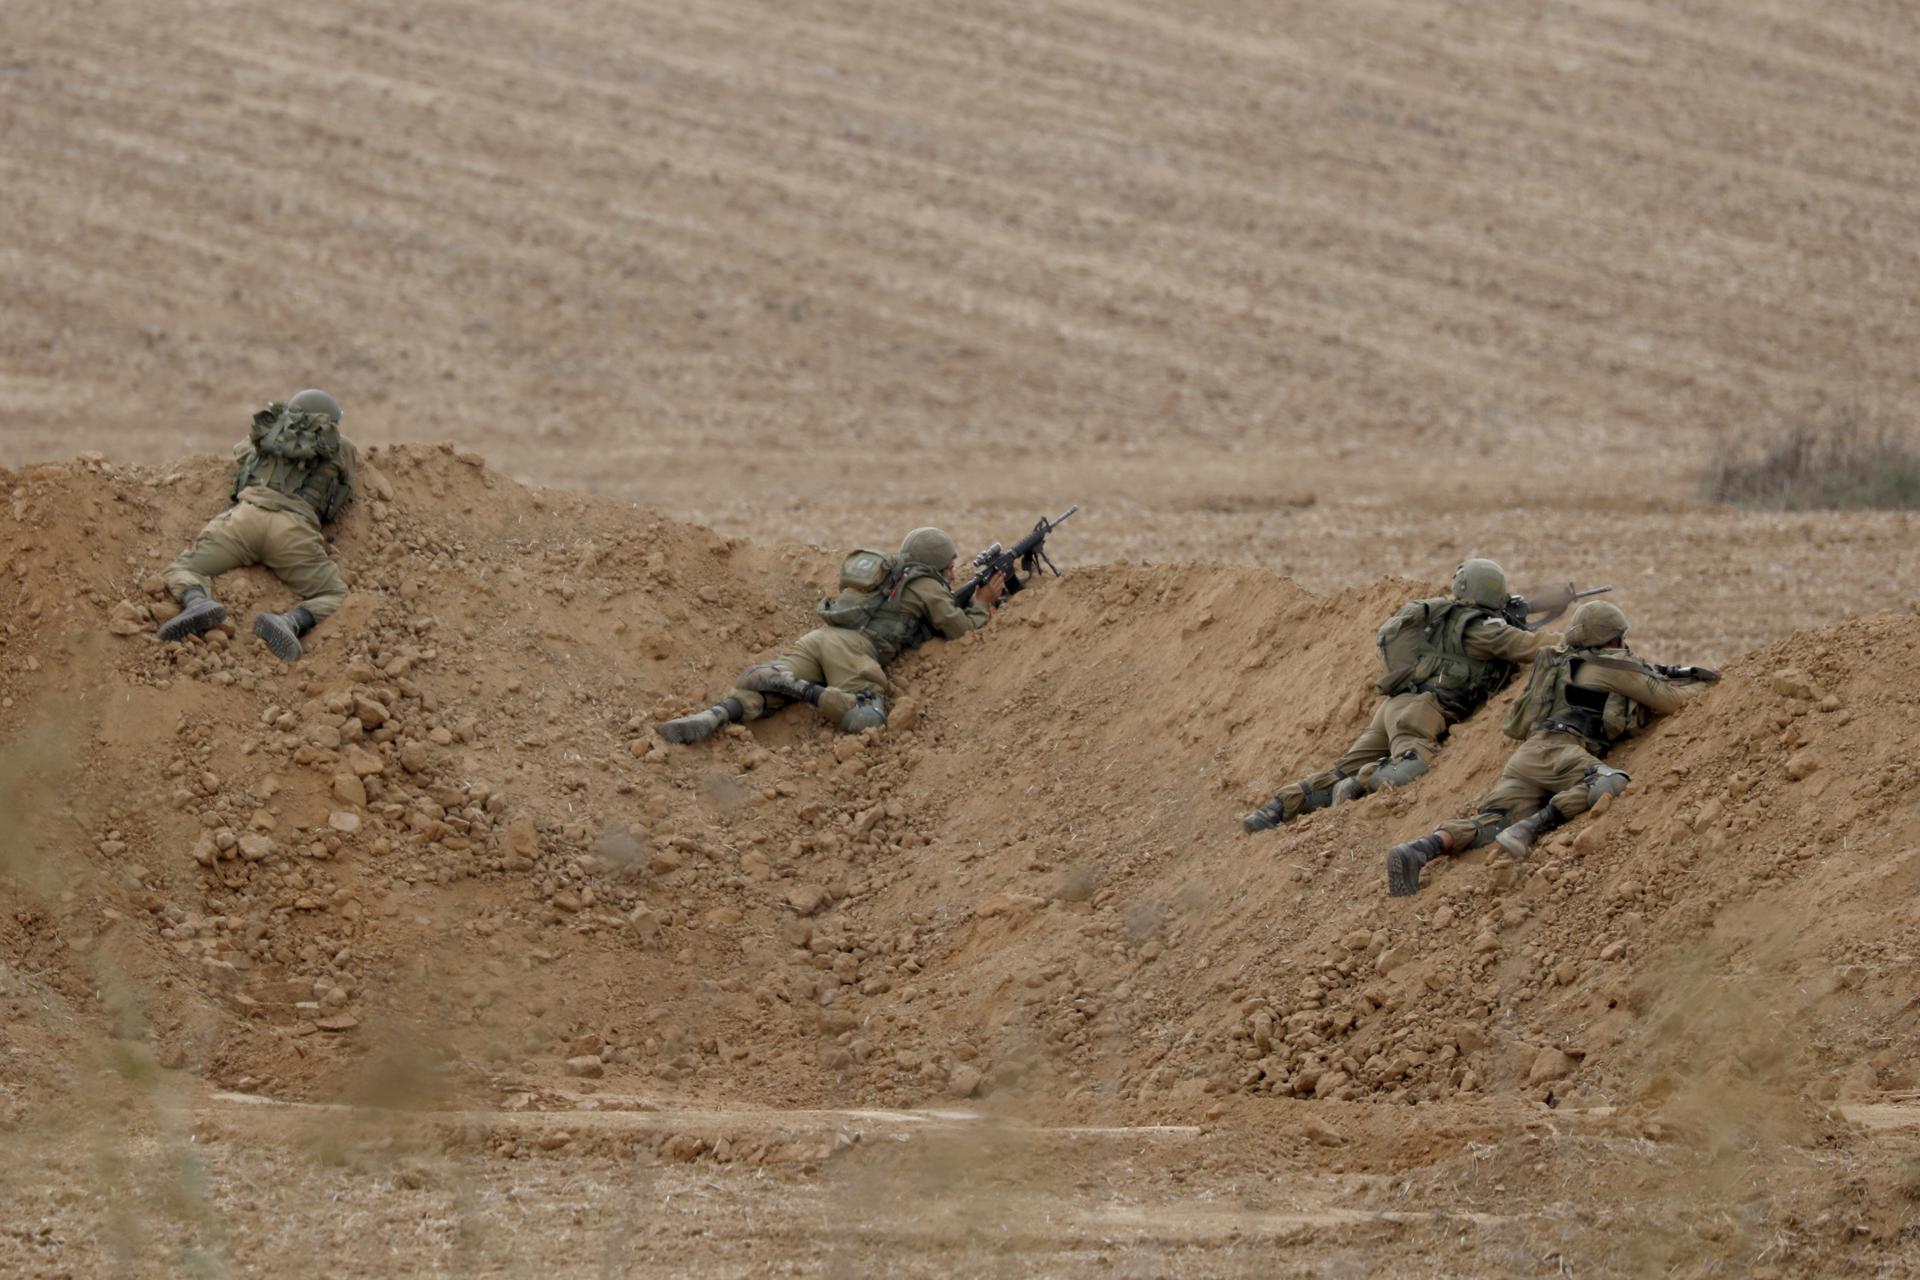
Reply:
x=1302, y=303
x=1001, y=989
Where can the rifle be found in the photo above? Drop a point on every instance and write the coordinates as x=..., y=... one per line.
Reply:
x=1027, y=555
x=1549, y=602
x=1693, y=675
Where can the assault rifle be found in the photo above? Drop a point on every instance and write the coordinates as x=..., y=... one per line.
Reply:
x=1689, y=675
x=1549, y=603
x=1026, y=555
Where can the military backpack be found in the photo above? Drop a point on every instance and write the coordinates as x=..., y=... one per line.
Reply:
x=300, y=455
x=869, y=601
x=1424, y=648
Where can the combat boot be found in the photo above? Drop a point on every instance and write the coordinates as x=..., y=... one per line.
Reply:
x=1518, y=839
x=702, y=724
x=282, y=631
x=767, y=678
x=199, y=613
x=1266, y=817
x=1274, y=812
x=1347, y=789
x=1405, y=860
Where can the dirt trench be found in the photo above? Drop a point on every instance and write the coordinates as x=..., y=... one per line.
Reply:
x=443, y=874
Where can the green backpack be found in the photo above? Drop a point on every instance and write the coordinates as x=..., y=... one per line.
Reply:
x=870, y=586
x=1423, y=646
x=866, y=578
x=298, y=454
x=1550, y=671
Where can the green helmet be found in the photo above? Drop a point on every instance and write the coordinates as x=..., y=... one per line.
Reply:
x=1596, y=625
x=315, y=401
x=1482, y=583
x=929, y=547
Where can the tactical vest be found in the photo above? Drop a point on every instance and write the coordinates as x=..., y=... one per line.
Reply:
x=298, y=454
x=1424, y=648
x=1553, y=703
x=881, y=615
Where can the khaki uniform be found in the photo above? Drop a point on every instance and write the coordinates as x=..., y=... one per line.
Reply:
x=842, y=658
x=1553, y=766
x=265, y=526
x=1415, y=722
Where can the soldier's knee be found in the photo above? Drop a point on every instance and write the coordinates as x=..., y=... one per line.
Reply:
x=1602, y=781
x=1400, y=772
x=869, y=712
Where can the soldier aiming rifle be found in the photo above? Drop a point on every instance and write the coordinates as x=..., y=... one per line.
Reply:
x=887, y=604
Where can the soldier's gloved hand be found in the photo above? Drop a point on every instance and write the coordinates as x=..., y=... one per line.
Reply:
x=988, y=595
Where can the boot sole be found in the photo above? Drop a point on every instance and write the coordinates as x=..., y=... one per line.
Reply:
x=1403, y=874
x=278, y=636
x=188, y=623
x=1254, y=823
x=1515, y=850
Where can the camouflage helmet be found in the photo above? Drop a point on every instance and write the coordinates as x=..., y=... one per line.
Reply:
x=1480, y=582
x=314, y=400
x=930, y=547
x=1596, y=625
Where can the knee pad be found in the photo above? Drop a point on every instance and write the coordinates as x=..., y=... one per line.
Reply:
x=869, y=712
x=1398, y=773
x=1602, y=781
x=1487, y=832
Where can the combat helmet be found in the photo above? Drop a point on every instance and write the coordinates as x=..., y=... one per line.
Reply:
x=313, y=400
x=1480, y=582
x=929, y=547
x=1596, y=625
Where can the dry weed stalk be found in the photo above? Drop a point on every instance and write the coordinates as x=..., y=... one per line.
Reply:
x=1837, y=462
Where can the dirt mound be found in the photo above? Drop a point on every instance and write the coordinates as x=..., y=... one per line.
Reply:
x=445, y=854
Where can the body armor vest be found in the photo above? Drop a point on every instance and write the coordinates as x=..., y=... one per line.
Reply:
x=1553, y=703
x=882, y=616
x=1424, y=647
x=297, y=454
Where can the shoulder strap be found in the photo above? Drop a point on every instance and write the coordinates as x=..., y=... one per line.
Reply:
x=908, y=571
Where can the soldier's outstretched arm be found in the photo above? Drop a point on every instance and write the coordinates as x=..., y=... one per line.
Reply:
x=946, y=617
x=1656, y=693
x=1497, y=638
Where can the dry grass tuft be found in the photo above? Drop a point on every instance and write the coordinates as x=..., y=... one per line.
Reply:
x=1839, y=463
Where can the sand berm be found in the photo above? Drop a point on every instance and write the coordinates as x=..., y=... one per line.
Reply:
x=452, y=826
